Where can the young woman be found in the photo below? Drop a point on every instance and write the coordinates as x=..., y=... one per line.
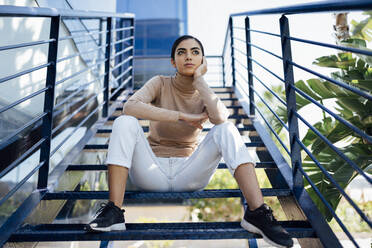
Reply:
x=170, y=158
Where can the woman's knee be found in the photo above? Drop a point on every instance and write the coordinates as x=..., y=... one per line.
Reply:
x=225, y=126
x=126, y=122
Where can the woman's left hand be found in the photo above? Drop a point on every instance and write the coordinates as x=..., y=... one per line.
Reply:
x=202, y=69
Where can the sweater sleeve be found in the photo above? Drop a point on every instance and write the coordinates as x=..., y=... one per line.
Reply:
x=139, y=104
x=217, y=111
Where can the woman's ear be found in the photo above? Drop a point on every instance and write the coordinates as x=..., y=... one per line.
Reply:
x=173, y=63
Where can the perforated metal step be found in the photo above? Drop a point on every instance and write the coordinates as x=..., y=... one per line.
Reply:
x=209, y=193
x=153, y=231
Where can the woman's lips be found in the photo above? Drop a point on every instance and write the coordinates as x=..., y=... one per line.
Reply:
x=189, y=65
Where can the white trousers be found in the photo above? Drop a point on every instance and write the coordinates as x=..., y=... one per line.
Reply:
x=129, y=147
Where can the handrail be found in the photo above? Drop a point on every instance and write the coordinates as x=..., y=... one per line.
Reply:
x=18, y=11
x=114, y=44
x=313, y=7
x=247, y=76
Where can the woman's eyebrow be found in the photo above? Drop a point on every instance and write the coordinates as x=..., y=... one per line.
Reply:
x=194, y=48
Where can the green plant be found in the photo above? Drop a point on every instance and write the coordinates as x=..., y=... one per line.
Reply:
x=356, y=71
x=228, y=209
x=220, y=209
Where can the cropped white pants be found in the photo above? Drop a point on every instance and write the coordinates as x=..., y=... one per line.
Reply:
x=128, y=147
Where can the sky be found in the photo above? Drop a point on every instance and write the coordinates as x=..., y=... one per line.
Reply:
x=216, y=12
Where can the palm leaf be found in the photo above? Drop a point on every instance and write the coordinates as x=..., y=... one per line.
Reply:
x=340, y=171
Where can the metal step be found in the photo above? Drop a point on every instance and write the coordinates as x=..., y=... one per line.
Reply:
x=222, y=99
x=152, y=231
x=92, y=167
x=229, y=107
x=111, y=118
x=215, y=92
x=139, y=195
x=207, y=129
x=105, y=146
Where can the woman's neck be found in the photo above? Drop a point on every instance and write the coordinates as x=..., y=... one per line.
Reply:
x=184, y=83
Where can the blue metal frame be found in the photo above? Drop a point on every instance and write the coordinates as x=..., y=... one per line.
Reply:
x=46, y=180
x=49, y=104
x=249, y=68
x=107, y=67
x=232, y=50
x=298, y=183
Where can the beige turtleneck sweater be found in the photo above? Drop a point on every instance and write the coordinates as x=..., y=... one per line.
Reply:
x=161, y=100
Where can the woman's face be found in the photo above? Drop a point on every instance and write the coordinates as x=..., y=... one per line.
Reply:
x=188, y=56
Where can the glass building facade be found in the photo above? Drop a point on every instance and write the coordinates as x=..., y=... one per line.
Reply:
x=158, y=25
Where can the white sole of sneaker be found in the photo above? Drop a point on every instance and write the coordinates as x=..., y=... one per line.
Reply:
x=251, y=228
x=115, y=227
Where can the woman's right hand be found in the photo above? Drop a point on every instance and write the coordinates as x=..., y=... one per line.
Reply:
x=194, y=119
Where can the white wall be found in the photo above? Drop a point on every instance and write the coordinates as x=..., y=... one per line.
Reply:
x=95, y=5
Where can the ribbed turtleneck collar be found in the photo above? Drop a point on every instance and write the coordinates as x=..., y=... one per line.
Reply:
x=183, y=83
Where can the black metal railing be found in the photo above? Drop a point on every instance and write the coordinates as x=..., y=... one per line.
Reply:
x=115, y=41
x=241, y=75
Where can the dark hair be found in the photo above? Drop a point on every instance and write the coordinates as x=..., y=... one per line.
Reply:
x=182, y=38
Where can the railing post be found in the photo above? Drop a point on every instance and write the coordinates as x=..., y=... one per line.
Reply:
x=120, y=59
x=107, y=68
x=249, y=65
x=298, y=183
x=100, y=39
x=132, y=24
x=223, y=71
x=232, y=51
x=47, y=124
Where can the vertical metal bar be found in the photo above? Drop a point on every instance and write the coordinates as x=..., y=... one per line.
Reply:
x=120, y=59
x=100, y=40
x=252, y=243
x=298, y=183
x=223, y=70
x=249, y=65
x=132, y=24
x=232, y=51
x=104, y=244
x=46, y=128
x=107, y=67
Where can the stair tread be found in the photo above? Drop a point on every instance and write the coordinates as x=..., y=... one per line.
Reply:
x=233, y=116
x=229, y=107
x=265, y=165
x=153, y=231
x=216, y=92
x=105, y=146
x=208, y=193
x=222, y=99
x=146, y=129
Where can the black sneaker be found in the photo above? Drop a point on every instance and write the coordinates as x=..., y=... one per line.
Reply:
x=262, y=221
x=109, y=218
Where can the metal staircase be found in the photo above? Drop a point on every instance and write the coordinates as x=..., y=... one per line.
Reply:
x=58, y=188
x=164, y=231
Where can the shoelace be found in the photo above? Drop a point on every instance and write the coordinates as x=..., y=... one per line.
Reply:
x=268, y=213
x=100, y=210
